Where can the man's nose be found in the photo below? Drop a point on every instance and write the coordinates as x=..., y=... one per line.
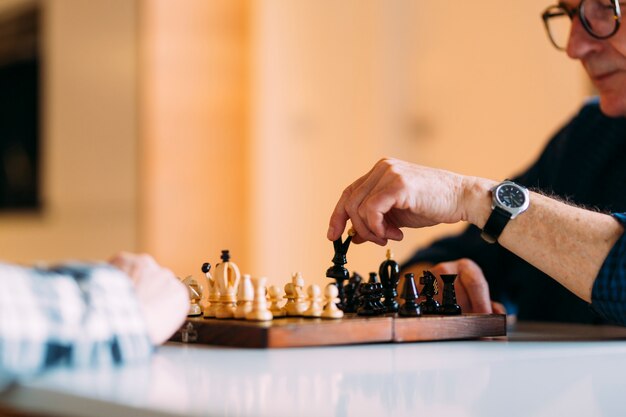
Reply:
x=580, y=43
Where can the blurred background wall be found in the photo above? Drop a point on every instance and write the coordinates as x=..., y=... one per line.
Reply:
x=183, y=128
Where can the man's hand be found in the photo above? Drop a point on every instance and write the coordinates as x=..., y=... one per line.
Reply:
x=472, y=290
x=397, y=194
x=163, y=299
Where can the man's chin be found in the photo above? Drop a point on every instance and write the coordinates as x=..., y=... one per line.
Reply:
x=613, y=106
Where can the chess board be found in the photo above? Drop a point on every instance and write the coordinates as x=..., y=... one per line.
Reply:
x=352, y=329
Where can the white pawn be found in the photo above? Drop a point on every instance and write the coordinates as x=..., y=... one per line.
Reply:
x=245, y=295
x=331, y=311
x=290, y=306
x=259, y=305
x=299, y=294
x=275, y=294
x=315, y=299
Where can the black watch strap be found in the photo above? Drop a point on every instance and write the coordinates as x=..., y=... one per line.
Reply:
x=495, y=224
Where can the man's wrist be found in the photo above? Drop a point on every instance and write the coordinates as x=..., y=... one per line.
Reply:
x=477, y=200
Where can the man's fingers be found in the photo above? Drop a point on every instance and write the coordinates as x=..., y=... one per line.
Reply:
x=498, y=308
x=354, y=206
x=350, y=206
x=340, y=216
x=471, y=286
x=475, y=285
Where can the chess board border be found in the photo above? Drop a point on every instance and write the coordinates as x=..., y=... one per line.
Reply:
x=352, y=329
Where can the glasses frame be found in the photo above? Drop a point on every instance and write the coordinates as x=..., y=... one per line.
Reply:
x=580, y=11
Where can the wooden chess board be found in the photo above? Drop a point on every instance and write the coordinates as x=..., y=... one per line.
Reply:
x=352, y=329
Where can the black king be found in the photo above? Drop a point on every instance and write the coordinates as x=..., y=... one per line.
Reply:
x=338, y=272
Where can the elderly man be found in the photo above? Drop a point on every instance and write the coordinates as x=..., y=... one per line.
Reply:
x=537, y=236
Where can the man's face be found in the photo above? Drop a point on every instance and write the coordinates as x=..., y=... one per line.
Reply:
x=604, y=61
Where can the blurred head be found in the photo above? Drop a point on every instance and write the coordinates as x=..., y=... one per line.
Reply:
x=590, y=31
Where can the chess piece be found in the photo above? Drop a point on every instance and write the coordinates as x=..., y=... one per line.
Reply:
x=214, y=295
x=331, y=311
x=371, y=292
x=378, y=293
x=259, y=310
x=410, y=307
x=351, y=291
x=290, y=306
x=338, y=272
x=275, y=295
x=448, y=303
x=188, y=333
x=195, y=290
x=227, y=278
x=429, y=290
x=315, y=301
x=389, y=273
x=300, y=302
x=245, y=296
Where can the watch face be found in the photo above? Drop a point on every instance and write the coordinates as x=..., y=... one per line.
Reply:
x=511, y=196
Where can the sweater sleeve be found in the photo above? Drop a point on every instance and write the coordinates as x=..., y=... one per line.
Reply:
x=75, y=315
x=608, y=295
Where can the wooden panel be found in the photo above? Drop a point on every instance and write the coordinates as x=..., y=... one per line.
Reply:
x=466, y=326
x=299, y=332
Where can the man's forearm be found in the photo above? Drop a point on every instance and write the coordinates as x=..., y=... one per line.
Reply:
x=568, y=243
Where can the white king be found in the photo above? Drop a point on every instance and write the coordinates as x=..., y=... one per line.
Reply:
x=227, y=279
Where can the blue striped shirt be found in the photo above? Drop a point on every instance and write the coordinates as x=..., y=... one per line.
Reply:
x=608, y=295
x=73, y=315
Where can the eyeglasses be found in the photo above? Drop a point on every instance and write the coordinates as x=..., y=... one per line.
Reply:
x=600, y=18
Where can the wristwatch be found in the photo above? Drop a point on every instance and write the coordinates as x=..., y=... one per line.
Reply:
x=508, y=200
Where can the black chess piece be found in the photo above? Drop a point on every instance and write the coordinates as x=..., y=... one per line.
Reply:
x=410, y=307
x=338, y=272
x=371, y=292
x=389, y=273
x=352, y=293
x=429, y=290
x=378, y=295
x=448, y=302
x=206, y=267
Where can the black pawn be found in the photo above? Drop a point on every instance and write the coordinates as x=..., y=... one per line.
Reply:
x=448, y=304
x=378, y=293
x=389, y=273
x=409, y=308
x=370, y=304
x=429, y=290
x=351, y=291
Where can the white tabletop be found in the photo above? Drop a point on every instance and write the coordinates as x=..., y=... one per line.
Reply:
x=527, y=377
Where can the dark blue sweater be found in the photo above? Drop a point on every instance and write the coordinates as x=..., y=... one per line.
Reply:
x=585, y=163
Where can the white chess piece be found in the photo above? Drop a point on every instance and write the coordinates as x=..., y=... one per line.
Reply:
x=259, y=305
x=213, y=296
x=227, y=278
x=195, y=289
x=331, y=311
x=315, y=301
x=275, y=295
x=290, y=306
x=245, y=295
x=299, y=295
